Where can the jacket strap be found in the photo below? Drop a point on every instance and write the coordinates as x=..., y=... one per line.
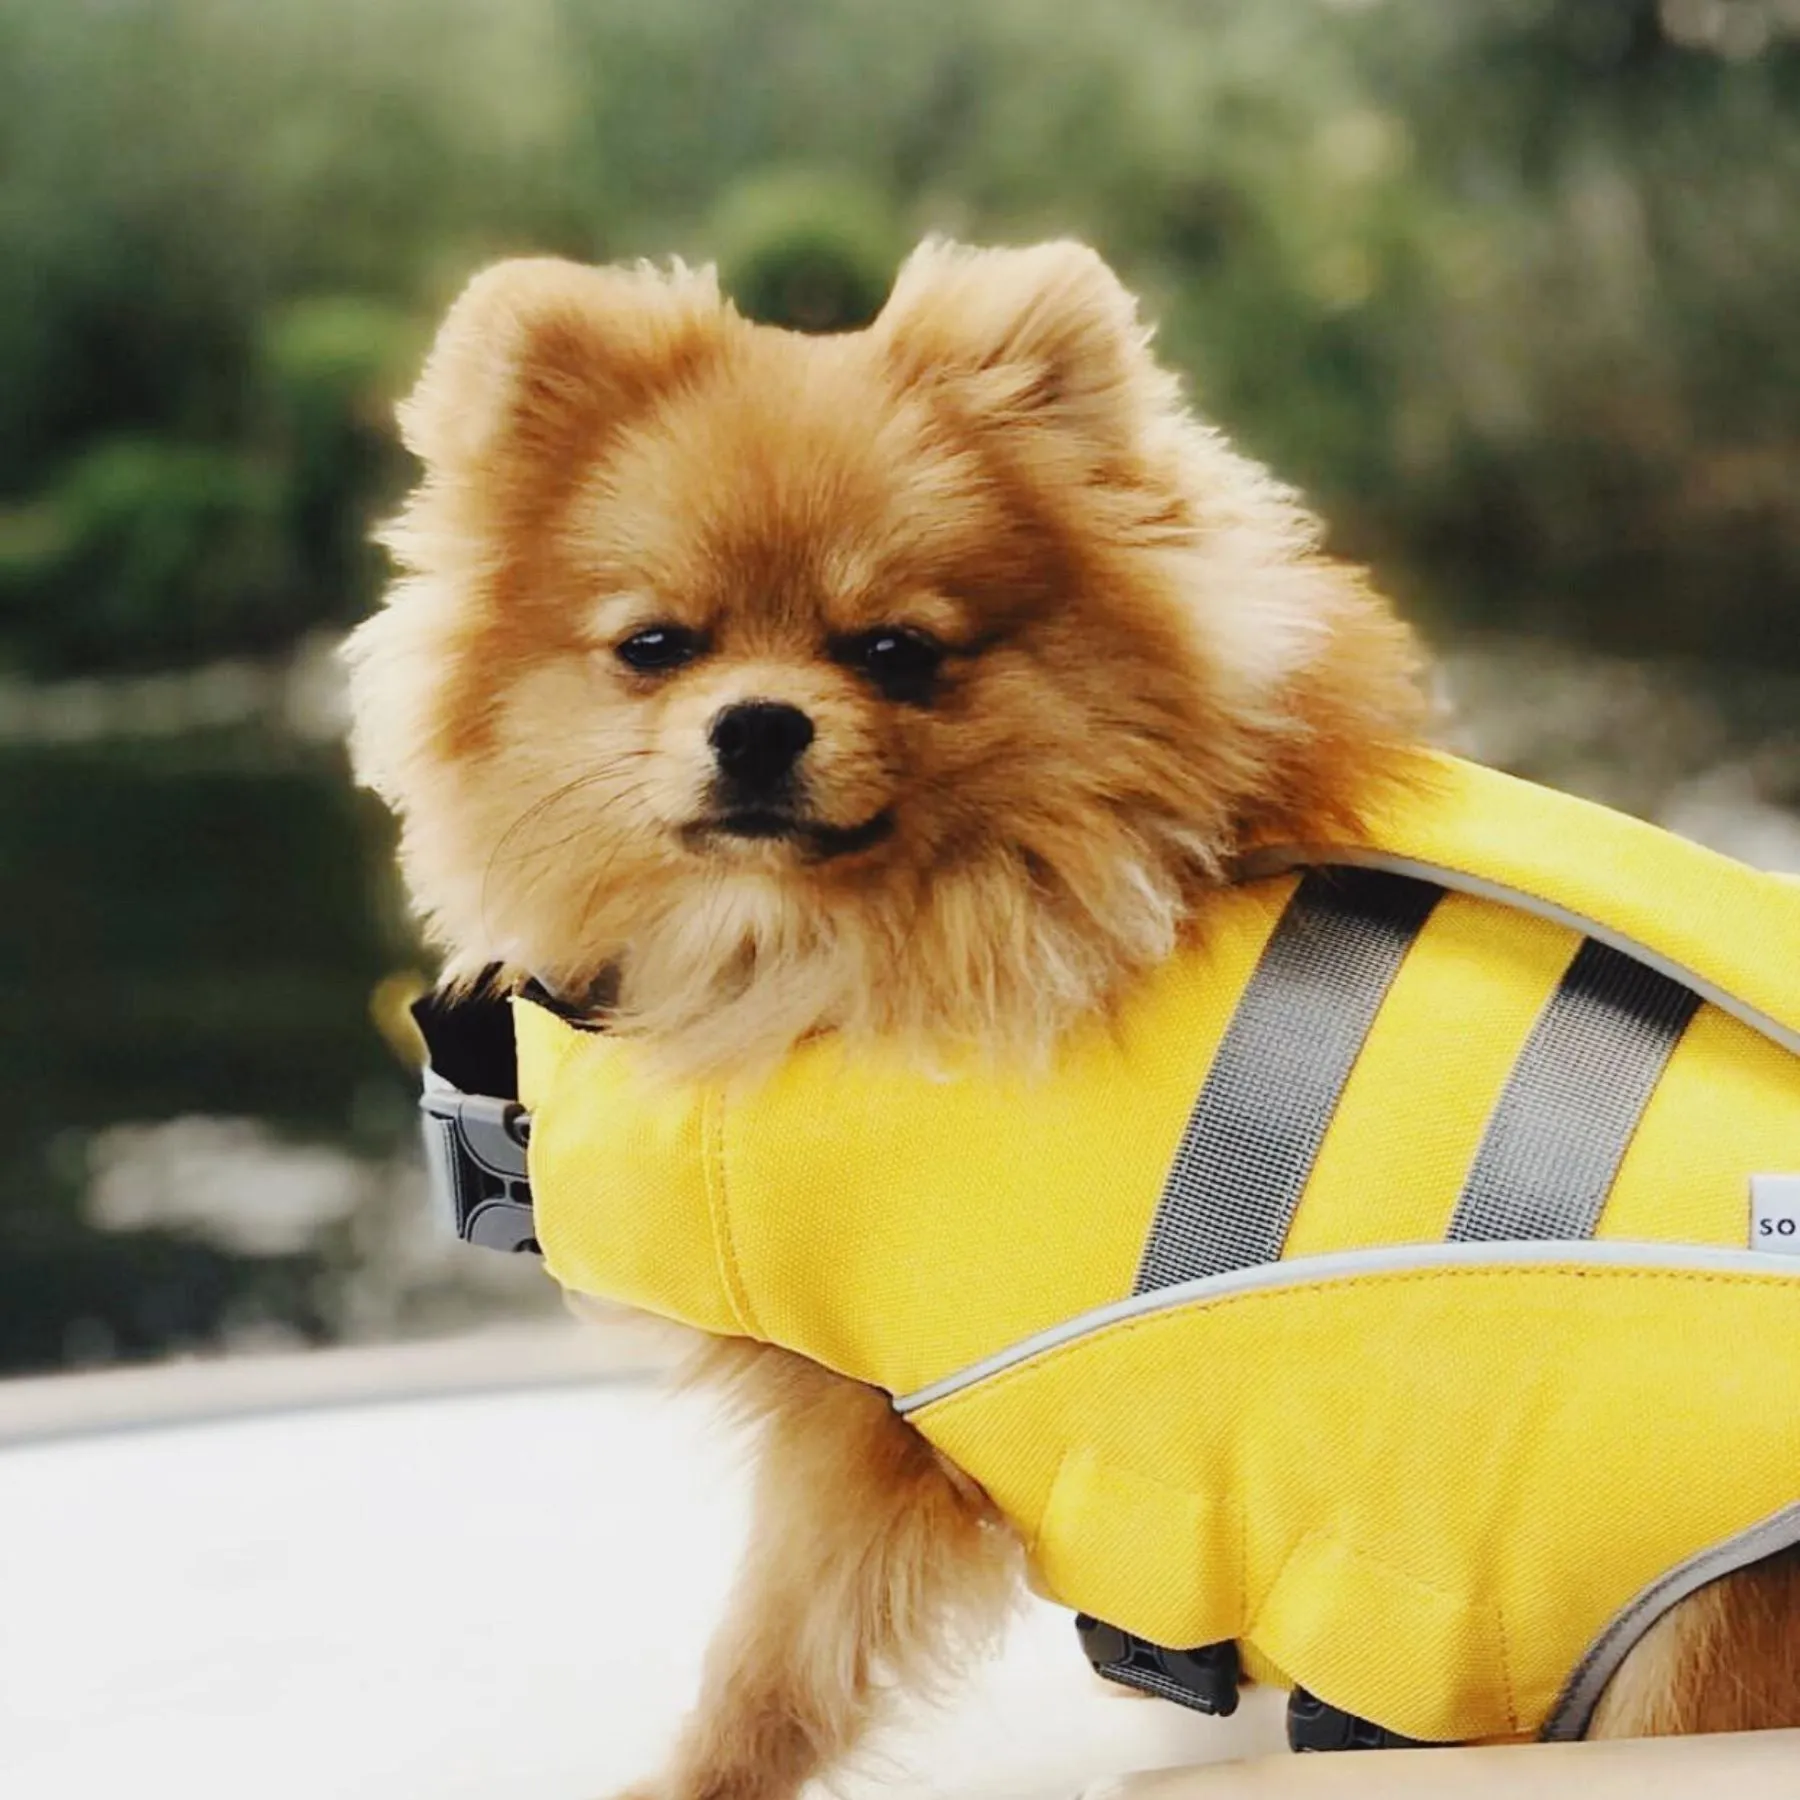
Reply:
x=1247, y=1153
x=1729, y=932
x=1573, y=1100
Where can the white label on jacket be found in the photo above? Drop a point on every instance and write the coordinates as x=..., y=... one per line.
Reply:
x=1775, y=1214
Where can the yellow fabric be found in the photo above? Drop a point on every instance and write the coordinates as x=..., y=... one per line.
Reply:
x=1734, y=927
x=1475, y=980
x=1440, y=1570
x=756, y=1235
x=1237, y=1468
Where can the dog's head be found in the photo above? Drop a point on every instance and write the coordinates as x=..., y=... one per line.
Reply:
x=913, y=681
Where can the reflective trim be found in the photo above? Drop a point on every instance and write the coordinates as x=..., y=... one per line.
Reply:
x=1344, y=1265
x=1572, y=1103
x=1250, y=1143
x=1574, y=1708
x=1282, y=859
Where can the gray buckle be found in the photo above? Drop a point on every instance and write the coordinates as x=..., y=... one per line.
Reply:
x=475, y=1159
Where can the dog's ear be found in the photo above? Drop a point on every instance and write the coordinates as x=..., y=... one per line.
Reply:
x=1046, y=332
x=540, y=356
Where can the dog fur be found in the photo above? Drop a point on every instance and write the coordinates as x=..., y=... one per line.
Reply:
x=1141, y=664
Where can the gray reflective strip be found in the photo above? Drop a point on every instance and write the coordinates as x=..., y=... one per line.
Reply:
x=1355, y=1265
x=1263, y=1110
x=1573, y=1100
x=1282, y=859
x=1581, y=1693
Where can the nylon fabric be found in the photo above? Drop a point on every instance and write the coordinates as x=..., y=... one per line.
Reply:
x=1723, y=1083
x=1568, y=1110
x=1419, y=1496
x=1575, y=1705
x=1442, y=1579
x=1735, y=928
x=1472, y=988
x=893, y=1181
x=1248, y=1149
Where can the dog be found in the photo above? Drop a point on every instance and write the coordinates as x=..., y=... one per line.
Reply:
x=916, y=685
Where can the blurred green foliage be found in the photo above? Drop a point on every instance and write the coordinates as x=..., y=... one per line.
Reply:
x=1508, y=286
x=807, y=252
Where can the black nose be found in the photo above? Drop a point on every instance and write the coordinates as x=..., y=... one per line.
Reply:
x=757, y=743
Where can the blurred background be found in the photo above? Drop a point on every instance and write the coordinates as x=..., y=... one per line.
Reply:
x=1507, y=286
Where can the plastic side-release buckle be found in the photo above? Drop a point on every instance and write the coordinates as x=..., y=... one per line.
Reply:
x=475, y=1155
x=1205, y=1679
x=1315, y=1724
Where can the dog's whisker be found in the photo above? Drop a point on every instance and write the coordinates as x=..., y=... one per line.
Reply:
x=541, y=808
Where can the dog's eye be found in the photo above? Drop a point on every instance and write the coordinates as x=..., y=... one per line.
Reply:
x=659, y=647
x=902, y=662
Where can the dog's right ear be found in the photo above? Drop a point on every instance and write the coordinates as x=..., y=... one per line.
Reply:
x=1047, y=333
x=544, y=357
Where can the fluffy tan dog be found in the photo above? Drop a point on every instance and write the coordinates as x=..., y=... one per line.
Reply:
x=915, y=684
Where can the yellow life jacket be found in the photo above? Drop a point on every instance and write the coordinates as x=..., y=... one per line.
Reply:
x=1394, y=1287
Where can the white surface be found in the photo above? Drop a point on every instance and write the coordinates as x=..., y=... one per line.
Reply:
x=364, y=1601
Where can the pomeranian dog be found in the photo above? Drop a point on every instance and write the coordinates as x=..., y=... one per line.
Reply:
x=916, y=684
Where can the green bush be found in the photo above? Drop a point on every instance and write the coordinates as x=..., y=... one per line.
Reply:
x=333, y=367
x=145, y=553
x=1506, y=286
x=811, y=252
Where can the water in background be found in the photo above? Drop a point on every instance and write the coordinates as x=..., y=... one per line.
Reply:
x=205, y=1140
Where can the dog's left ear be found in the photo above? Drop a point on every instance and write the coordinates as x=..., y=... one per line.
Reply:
x=1047, y=332
x=540, y=359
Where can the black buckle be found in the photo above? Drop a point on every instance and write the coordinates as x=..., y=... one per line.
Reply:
x=1204, y=1680
x=1315, y=1724
x=475, y=1157
x=475, y=1134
